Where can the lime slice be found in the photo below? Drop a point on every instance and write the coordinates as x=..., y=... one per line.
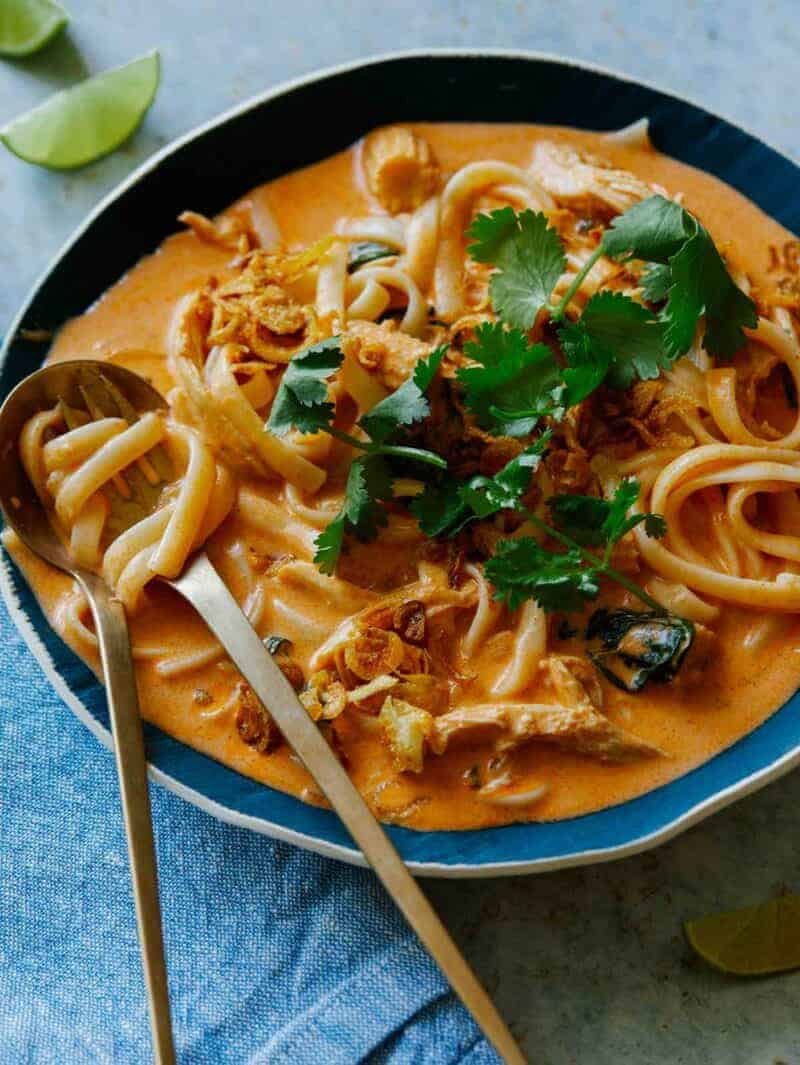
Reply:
x=27, y=25
x=753, y=941
x=80, y=125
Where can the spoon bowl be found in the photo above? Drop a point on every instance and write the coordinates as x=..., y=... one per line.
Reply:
x=69, y=383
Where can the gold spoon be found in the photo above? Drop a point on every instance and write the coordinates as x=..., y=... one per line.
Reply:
x=202, y=586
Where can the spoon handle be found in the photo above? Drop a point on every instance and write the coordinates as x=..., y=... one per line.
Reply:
x=126, y=725
x=202, y=586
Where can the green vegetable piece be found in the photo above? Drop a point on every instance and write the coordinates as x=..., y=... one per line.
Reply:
x=652, y=230
x=369, y=487
x=447, y=505
x=367, y=251
x=625, y=335
x=597, y=522
x=440, y=509
x=632, y=648
x=701, y=285
x=406, y=405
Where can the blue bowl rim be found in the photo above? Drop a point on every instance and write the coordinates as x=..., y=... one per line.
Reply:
x=691, y=815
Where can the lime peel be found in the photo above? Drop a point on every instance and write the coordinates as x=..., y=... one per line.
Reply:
x=753, y=941
x=84, y=123
x=28, y=25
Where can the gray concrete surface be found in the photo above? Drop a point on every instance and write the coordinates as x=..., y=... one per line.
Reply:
x=590, y=965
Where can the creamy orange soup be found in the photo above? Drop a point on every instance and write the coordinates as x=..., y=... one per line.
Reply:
x=745, y=663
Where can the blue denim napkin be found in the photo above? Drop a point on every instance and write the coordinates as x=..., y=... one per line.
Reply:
x=275, y=955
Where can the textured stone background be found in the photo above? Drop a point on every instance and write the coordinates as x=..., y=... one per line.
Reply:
x=590, y=965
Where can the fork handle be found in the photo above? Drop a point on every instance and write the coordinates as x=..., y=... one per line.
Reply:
x=126, y=726
x=202, y=586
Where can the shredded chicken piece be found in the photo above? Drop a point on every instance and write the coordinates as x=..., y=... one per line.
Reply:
x=229, y=232
x=399, y=167
x=575, y=728
x=574, y=679
x=586, y=183
x=574, y=723
x=569, y=470
x=383, y=350
x=253, y=722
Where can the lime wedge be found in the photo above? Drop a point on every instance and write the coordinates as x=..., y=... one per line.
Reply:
x=27, y=25
x=81, y=124
x=753, y=941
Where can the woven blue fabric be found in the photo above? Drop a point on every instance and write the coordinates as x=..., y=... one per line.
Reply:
x=275, y=955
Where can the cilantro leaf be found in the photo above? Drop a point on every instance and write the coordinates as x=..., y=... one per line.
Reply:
x=587, y=364
x=529, y=259
x=301, y=399
x=701, y=285
x=369, y=486
x=486, y=495
x=656, y=281
x=439, y=509
x=490, y=233
x=630, y=334
x=408, y=404
x=515, y=384
x=580, y=517
x=688, y=272
x=521, y=569
x=654, y=230
x=595, y=522
x=446, y=506
x=329, y=545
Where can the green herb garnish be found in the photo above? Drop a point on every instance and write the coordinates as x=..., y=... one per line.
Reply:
x=615, y=339
x=302, y=403
x=522, y=569
x=689, y=273
x=515, y=384
x=528, y=258
x=447, y=505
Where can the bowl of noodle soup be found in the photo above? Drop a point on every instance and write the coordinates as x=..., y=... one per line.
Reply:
x=468, y=122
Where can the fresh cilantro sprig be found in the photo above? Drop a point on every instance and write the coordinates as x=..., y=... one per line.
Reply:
x=615, y=339
x=447, y=505
x=528, y=258
x=514, y=383
x=302, y=403
x=522, y=569
x=688, y=271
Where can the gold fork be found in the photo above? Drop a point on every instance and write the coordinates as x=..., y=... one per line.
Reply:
x=202, y=586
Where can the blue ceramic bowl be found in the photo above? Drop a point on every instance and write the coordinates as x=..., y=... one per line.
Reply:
x=221, y=161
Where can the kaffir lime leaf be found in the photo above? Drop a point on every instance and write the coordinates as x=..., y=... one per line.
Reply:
x=750, y=942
